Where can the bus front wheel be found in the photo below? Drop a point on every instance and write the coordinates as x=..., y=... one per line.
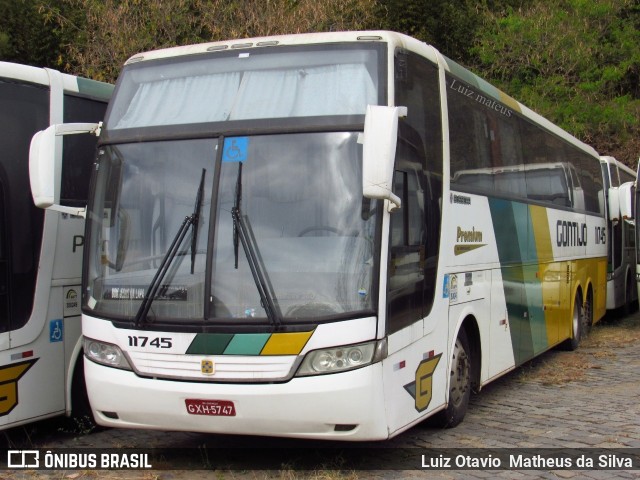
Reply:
x=459, y=383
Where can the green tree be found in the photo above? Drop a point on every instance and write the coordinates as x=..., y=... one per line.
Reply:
x=117, y=29
x=450, y=26
x=27, y=36
x=576, y=62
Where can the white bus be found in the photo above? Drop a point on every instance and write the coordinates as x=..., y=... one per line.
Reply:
x=621, y=231
x=41, y=252
x=277, y=245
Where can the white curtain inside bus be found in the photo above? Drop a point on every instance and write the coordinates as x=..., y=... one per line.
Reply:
x=344, y=89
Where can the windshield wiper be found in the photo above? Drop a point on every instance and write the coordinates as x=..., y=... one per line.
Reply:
x=196, y=219
x=242, y=231
x=193, y=221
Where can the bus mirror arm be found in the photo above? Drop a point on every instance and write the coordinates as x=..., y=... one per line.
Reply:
x=45, y=165
x=379, y=151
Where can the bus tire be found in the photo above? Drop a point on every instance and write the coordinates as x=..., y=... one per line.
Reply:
x=577, y=325
x=81, y=414
x=587, y=315
x=629, y=306
x=459, y=384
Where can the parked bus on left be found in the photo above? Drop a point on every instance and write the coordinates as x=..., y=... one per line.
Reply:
x=41, y=371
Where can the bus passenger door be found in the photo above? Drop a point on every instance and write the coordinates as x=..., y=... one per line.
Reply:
x=36, y=372
x=416, y=362
x=405, y=285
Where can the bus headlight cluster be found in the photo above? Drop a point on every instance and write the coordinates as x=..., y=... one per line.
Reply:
x=105, y=354
x=340, y=359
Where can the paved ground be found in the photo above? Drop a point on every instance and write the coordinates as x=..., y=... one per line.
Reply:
x=588, y=399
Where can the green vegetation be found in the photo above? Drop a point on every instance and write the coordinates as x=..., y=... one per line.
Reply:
x=576, y=62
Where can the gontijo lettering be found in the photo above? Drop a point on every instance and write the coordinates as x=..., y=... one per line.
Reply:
x=571, y=234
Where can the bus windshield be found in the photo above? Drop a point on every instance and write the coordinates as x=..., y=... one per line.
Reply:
x=165, y=244
x=299, y=197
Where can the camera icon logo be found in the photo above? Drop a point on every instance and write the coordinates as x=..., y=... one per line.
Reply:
x=23, y=459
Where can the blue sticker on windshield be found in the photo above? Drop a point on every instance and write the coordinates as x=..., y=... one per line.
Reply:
x=235, y=149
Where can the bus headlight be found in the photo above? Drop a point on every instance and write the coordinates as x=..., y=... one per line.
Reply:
x=105, y=354
x=340, y=359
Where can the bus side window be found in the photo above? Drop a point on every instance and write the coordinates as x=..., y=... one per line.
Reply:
x=408, y=236
x=4, y=266
x=25, y=110
x=398, y=225
x=413, y=256
x=406, y=254
x=79, y=151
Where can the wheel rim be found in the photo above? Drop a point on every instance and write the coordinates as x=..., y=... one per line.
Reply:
x=459, y=374
x=576, y=320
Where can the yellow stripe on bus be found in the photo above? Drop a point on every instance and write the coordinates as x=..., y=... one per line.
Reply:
x=286, y=343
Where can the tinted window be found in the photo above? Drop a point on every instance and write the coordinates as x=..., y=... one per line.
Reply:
x=494, y=151
x=23, y=111
x=415, y=228
x=79, y=151
x=626, y=177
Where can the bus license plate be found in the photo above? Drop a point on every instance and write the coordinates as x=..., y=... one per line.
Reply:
x=216, y=408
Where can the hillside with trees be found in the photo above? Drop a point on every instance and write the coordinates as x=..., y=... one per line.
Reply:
x=576, y=62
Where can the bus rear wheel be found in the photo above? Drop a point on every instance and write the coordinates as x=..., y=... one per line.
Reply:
x=459, y=384
x=580, y=322
x=629, y=303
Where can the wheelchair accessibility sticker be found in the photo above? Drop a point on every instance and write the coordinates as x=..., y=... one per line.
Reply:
x=235, y=149
x=56, y=330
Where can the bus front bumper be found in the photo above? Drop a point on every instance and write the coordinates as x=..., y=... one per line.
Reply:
x=341, y=406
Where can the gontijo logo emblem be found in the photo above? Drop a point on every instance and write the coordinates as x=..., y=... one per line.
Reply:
x=421, y=389
x=9, y=376
x=207, y=367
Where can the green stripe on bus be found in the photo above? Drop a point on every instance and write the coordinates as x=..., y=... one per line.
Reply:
x=209, y=343
x=517, y=251
x=93, y=88
x=249, y=343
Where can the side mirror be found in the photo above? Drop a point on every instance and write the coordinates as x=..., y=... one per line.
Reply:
x=379, y=151
x=45, y=164
x=626, y=194
x=613, y=204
